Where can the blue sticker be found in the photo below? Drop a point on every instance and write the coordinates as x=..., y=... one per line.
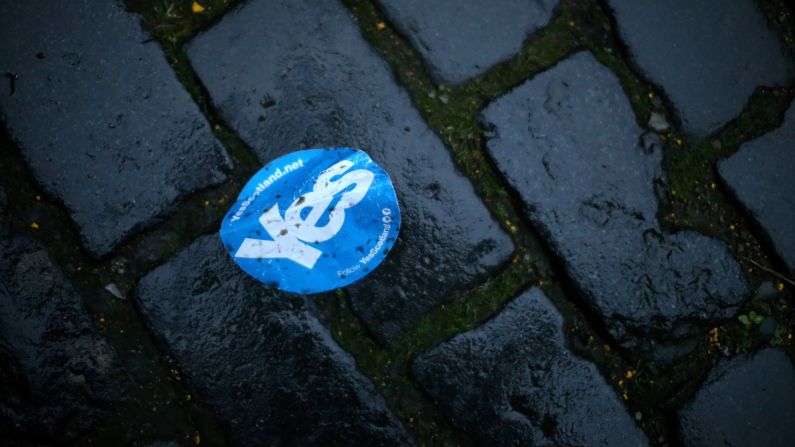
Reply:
x=313, y=220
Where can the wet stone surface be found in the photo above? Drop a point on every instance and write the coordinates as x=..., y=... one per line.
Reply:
x=513, y=382
x=462, y=39
x=260, y=360
x=768, y=197
x=588, y=181
x=745, y=401
x=94, y=107
x=707, y=59
x=284, y=90
x=57, y=375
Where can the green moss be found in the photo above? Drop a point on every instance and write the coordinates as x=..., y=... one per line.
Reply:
x=691, y=164
x=389, y=367
x=697, y=201
x=172, y=22
x=453, y=112
x=156, y=402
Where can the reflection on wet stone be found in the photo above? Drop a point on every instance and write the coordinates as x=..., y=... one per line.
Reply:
x=260, y=359
x=57, y=375
x=329, y=89
x=95, y=109
x=568, y=142
x=462, y=39
x=770, y=198
x=745, y=401
x=512, y=381
x=707, y=57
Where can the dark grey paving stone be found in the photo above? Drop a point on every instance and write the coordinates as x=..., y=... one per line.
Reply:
x=57, y=375
x=462, y=39
x=283, y=90
x=760, y=175
x=745, y=401
x=512, y=381
x=260, y=360
x=100, y=117
x=588, y=179
x=706, y=57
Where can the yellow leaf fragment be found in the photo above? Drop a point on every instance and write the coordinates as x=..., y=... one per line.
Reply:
x=714, y=337
x=197, y=8
x=380, y=25
x=34, y=225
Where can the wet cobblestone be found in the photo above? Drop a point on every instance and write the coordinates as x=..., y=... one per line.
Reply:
x=590, y=181
x=260, y=358
x=550, y=285
x=707, y=59
x=745, y=401
x=336, y=92
x=462, y=40
x=58, y=374
x=513, y=382
x=95, y=111
x=760, y=176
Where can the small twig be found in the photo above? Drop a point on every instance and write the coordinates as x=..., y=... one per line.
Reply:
x=780, y=276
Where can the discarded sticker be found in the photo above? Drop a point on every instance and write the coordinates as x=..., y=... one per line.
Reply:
x=313, y=220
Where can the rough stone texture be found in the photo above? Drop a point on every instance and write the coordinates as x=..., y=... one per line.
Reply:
x=282, y=90
x=95, y=108
x=760, y=175
x=260, y=360
x=56, y=373
x=513, y=382
x=745, y=401
x=588, y=180
x=462, y=39
x=708, y=58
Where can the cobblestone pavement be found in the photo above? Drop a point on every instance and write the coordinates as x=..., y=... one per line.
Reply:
x=597, y=244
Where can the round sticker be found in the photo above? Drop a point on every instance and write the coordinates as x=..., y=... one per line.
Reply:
x=313, y=220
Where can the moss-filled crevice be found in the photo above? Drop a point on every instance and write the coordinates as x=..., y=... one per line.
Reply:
x=157, y=404
x=162, y=406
